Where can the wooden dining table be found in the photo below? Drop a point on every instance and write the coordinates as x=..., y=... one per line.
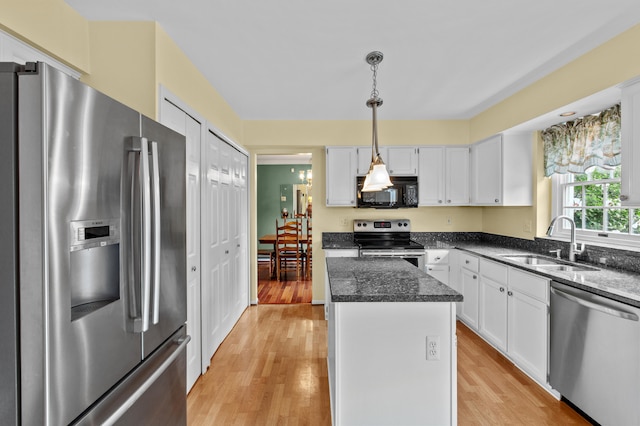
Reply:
x=271, y=239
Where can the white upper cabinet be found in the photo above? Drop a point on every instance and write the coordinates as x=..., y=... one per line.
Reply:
x=400, y=160
x=431, y=175
x=630, y=134
x=341, y=162
x=456, y=185
x=502, y=170
x=443, y=175
x=364, y=158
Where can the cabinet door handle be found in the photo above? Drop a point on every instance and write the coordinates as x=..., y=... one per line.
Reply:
x=501, y=289
x=497, y=201
x=439, y=201
x=437, y=258
x=475, y=276
x=448, y=201
x=509, y=293
x=624, y=197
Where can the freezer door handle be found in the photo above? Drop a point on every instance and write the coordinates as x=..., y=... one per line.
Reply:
x=140, y=235
x=117, y=414
x=596, y=306
x=156, y=231
x=145, y=183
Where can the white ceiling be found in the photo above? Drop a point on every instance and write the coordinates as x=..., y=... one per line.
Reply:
x=297, y=59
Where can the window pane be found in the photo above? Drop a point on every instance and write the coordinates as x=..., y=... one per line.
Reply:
x=613, y=194
x=635, y=226
x=594, y=219
x=577, y=196
x=618, y=220
x=577, y=218
x=594, y=194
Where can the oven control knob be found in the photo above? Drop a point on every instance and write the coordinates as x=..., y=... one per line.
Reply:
x=359, y=225
x=406, y=224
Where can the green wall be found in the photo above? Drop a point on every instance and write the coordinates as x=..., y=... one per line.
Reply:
x=269, y=179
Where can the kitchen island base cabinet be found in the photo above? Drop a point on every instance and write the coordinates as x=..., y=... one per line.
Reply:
x=379, y=373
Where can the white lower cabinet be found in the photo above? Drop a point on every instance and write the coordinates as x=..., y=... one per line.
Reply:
x=492, y=322
x=437, y=264
x=508, y=307
x=528, y=331
x=468, y=274
x=513, y=315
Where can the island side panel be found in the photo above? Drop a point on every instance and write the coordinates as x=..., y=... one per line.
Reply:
x=383, y=376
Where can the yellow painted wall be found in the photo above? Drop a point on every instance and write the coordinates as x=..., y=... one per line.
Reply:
x=606, y=66
x=178, y=74
x=123, y=58
x=51, y=26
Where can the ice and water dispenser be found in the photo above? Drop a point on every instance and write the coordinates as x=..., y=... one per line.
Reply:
x=95, y=265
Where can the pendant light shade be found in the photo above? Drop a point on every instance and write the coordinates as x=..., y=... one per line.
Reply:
x=377, y=178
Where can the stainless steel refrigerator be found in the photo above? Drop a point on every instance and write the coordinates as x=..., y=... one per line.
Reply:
x=92, y=257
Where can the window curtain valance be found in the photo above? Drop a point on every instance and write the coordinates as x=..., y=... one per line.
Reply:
x=574, y=146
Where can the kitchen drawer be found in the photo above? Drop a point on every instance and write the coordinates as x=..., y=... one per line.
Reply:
x=468, y=261
x=437, y=256
x=530, y=284
x=494, y=271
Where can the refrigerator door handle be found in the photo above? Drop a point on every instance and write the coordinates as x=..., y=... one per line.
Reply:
x=122, y=409
x=156, y=231
x=141, y=195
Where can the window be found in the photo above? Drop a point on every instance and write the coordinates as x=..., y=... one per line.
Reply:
x=593, y=201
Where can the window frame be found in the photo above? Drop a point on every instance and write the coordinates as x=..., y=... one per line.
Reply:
x=562, y=230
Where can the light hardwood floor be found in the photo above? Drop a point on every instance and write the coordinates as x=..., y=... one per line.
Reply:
x=287, y=290
x=271, y=370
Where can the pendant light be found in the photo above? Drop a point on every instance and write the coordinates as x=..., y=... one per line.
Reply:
x=377, y=178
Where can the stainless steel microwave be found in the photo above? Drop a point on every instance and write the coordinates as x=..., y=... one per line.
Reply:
x=403, y=193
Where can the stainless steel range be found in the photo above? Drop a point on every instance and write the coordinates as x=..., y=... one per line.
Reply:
x=388, y=238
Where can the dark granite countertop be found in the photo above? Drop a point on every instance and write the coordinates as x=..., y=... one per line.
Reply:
x=615, y=284
x=340, y=245
x=368, y=279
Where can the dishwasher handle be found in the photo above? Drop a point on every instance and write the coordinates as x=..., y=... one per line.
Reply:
x=596, y=306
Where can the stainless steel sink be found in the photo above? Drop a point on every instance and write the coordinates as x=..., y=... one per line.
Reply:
x=531, y=259
x=566, y=268
x=544, y=263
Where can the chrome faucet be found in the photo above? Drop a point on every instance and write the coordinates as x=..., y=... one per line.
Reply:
x=573, y=247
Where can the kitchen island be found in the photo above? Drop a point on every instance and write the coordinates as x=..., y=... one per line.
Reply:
x=391, y=344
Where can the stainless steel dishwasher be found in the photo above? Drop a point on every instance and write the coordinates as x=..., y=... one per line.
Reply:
x=595, y=354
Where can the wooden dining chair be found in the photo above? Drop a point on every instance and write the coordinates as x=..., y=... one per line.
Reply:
x=308, y=254
x=288, y=248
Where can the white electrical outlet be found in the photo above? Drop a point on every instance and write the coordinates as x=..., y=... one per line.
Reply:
x=433, y=348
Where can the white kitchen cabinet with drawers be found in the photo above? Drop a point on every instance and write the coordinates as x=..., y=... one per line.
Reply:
x=469, y=288
x=508, y=307
x=437, y=264
x=513, y=315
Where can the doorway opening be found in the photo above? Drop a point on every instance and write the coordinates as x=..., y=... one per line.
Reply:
x=284, y=197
